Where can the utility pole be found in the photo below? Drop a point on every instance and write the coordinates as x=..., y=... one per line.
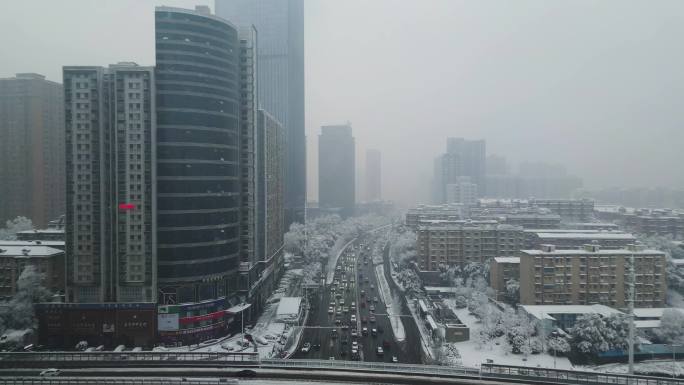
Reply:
x=632, y=295
x=674, y=361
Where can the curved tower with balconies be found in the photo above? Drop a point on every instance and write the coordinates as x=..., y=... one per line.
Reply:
x=197, y=160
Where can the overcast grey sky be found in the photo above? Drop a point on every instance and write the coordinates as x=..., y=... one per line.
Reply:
x=595, y=85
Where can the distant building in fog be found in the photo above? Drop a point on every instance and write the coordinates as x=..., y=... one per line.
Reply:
x=336, y=169
x=373, y=176
x=280, y=26
x=31, y=149
x=496, y=165
x=462, y=158
x=462, y=191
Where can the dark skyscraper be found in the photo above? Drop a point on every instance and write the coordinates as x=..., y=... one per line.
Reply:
x=198, y=159
x=373, y=176
x=337, y=169
x=31, y=149
x=280, y=27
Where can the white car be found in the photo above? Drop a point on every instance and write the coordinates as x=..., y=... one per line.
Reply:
x=331, y=310
x=380, y=351
x=50, y=372
x=395, y=359
x=306, y=347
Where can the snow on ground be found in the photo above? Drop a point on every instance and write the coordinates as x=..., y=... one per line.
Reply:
x=271, y=336
x=472, y=354
x=393, y=307
x=662, y=367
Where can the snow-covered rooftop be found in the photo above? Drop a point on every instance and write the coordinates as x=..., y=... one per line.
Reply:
x=547, y=311
x=587, y=252
x=507, y=259
x=585, y=235
x=647, y=324
x=654, y=312
x=440, y=289
x=28, y=251
x=678, y=262
x=288, y=307
x=31, y=243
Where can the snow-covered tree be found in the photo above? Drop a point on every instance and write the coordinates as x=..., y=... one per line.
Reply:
x=17, y=313
x=13, y=226
x=558, y=345
x=671, y=330
x=593, y=334
x=512, y=291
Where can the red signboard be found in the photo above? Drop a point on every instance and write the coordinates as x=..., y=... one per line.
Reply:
x=204, y=317
x=126, y=206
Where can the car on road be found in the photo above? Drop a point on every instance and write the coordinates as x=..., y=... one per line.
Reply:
x=344, y=341
x=380, y=351
x=364, y=319
x=374, y=332
x=372, y=318
x=338, y=321
x=333, y=333
x=317, y=347
x=339, y=309
x=364, y=331
x=353, y=318
x=345, y=327
x=306, y=347
x=394, y=359
x=50, y=372
x=375, y=299
x=331, y=310
x=355, y=345
x=372, y=287
x=363, y=304
x=363, y=293
x=354, y=333
x=372, y=307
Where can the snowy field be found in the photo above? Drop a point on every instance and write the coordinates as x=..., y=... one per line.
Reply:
x=472, y=354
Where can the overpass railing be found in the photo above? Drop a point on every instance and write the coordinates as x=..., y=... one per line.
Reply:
x=371, y=366
x=560, y=376
x=94, y=357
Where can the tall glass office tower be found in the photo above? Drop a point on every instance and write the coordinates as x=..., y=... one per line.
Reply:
x=280, y=26
x=198, y=160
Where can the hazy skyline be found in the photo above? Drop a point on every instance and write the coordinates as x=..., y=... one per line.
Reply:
x=594, y=85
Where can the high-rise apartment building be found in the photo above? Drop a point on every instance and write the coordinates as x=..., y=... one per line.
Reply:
x=447, y=244
x=337, y=169
x=110, y=125
x=592, y=275
x=31, y=149
x=373, y=176
x=199, y=182
x=280, y=26
x=462, y=158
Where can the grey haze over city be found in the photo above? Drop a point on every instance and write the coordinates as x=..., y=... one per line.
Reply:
x=596, y=86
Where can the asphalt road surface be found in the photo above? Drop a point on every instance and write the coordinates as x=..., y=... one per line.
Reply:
x=355, y=300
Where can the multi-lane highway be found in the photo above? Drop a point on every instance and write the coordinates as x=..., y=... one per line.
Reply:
x=348, y=318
